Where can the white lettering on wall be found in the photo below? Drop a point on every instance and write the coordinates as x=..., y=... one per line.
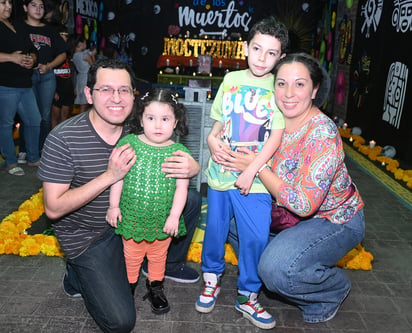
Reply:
x=87, y=8
x=371, y=12
x=395, y=90
x=223, y=18
x=402, y=15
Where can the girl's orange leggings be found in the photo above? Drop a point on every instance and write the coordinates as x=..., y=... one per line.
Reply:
x=156, y=253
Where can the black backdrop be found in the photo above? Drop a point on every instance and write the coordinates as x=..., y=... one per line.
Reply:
x=150, y=21
x=380, y=102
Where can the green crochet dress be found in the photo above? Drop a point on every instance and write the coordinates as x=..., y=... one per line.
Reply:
x=147, y=195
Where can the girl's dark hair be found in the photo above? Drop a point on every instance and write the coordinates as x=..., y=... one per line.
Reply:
x=161, y=95
x=73, y=41
x=317, y=73
x=45, y=4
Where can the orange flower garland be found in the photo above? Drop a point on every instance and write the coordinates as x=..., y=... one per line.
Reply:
x=195, y=253
x=357, y=258
x=14, y=238
x=373, y=154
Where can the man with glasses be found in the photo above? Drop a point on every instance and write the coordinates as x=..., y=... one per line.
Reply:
x=79, y=163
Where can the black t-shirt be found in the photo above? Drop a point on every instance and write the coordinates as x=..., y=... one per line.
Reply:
x=11, y=74
x=46, y=40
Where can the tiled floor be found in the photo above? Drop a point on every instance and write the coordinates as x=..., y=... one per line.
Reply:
x=31, y=298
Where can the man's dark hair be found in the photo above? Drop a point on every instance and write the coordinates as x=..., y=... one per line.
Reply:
x=111, y=64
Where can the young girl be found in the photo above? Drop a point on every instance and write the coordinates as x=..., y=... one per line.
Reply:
x=82, y=59
x=146, y=207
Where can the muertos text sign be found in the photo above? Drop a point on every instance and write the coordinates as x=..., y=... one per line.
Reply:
x=216, y=14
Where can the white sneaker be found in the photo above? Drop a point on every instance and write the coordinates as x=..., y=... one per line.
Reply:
x=22, y=158
x=207, y=299
x=254, y=312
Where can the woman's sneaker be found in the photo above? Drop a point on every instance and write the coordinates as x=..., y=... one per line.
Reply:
x=254, y=312
x=207, y=299
x=22, y=158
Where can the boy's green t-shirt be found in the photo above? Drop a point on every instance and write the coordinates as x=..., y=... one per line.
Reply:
x=246, y=107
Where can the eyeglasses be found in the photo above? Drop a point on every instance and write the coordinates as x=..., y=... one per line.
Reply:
x=109, y=91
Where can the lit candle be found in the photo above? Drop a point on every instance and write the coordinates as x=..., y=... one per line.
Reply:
x=190, y=62
x=350, y=139
x=167, y=62
x=210, y=74
x=372, y=144
x=383, y=163
x=194, y=74
x=161, y=72
x=177, y=69
x=345, y=126
x=220, y=63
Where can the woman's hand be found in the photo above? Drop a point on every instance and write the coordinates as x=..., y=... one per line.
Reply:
x=22, y=59
x=238, y=160
x=43, y=68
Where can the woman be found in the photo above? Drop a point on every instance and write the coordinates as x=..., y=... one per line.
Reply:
x=309, y=178
x=17, y=57
x=52, y=52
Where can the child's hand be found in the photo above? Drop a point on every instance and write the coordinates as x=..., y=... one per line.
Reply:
x=113, y=215
x=244, y=182
x=217, y=149
x=171, y=226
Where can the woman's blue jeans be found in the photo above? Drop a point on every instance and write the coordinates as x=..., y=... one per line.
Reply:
x=44, y=87
x=100, y=276
x=299, y=264
x=21, y=101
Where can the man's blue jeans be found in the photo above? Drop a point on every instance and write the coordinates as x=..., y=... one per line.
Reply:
x=22, y=102
x=100, y=276
x=178, y=248
x=299, y=264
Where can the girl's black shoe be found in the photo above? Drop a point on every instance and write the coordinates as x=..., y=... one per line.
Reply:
x=156, y=296
x=133, y=287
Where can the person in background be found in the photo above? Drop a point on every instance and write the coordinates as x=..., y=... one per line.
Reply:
x=64, y=96
x=17, y=58
x=245, y=114
x=52, y=52
x=79, y=163
x=82, y=59
x=146, y=207
x=309, y=178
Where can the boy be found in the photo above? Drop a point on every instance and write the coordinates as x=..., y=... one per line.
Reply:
x=245, y=114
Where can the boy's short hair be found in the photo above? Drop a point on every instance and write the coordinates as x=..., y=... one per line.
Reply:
x=271, y=26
